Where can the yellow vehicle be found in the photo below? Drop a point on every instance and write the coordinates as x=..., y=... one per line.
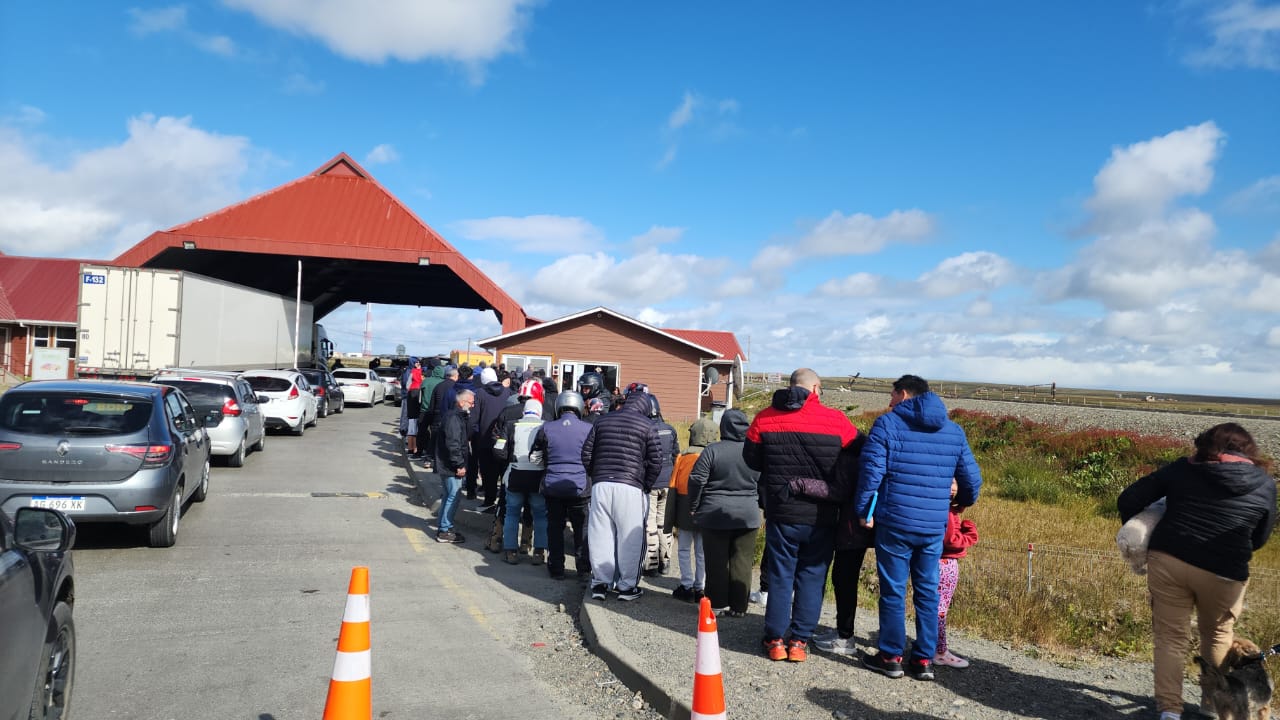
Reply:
x=463, y=357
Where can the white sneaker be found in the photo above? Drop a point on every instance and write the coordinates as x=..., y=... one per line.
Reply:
x=838, y=646
x=827, y=636
x=950, y=659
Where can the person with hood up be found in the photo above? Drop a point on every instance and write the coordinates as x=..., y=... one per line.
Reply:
x=566, y=484
x=1220, y=507
x=724, y=505
x=798, y=438
x=549, y=394
x=658, y=539
x=491, y=399
x=523, y=481
x=904, y=492
x=678, y=517
x=426, y=414
x=623, y=456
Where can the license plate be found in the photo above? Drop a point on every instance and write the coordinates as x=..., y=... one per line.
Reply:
x=63, y=503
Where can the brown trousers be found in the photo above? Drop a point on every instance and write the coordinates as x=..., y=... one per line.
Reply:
x=1176, y=589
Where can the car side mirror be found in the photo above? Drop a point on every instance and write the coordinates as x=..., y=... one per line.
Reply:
x=42, y=530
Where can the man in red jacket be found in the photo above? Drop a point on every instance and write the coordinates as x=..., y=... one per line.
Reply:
x=798, y=442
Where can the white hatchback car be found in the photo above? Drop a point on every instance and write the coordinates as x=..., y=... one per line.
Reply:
x=290, y=403
x=361, y=385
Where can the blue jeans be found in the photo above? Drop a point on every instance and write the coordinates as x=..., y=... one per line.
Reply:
x=900, y=555
x=798, y=558
x=449, y=497
x=511, y=523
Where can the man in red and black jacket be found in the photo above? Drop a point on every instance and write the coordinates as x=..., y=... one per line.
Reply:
x=795, y=443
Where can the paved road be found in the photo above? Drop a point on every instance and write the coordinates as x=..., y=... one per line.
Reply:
x=240, y=619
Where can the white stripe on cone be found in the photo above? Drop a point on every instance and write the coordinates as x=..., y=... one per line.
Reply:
x=708, y=658
x=357, y=610
x=351, y=666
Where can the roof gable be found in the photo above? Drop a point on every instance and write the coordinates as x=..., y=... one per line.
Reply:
x=489, y=343
x=39, y=290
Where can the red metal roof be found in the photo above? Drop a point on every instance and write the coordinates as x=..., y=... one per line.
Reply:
x=722, y=342
x=339, y=211
x=39, y=290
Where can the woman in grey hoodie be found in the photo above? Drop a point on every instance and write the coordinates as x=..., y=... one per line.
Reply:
x=724, y=502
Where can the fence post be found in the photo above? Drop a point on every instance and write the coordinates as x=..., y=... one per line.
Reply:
x=1031, y=549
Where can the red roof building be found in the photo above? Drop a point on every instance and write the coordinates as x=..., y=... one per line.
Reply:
x=357, y=243
x=38, y=299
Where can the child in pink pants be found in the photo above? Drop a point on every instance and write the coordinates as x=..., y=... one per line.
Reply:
x=961, y=535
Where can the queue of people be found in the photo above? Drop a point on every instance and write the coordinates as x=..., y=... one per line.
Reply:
x=824, y=494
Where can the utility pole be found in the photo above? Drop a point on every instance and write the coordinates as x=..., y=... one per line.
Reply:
x=367, y=350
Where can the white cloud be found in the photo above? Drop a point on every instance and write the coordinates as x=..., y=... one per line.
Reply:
x=736, y=286
x=980, y=308
x=857, y=234
x=1273, y=337
x=966, y=273
x=166, y=19
x=683, y=112
x=174, y=20
x=535, y=233
x=872, y=327
x=1245, y=34
x=857, y=285
x=657, y=235
x=381, y=155
x=1262, y=195
x=652, y=317
x=781, y=332
x=105, y=200
x=586, y=280
x=472, y=32
x=1265, y=296
x=1140, y=181
x=297, y=83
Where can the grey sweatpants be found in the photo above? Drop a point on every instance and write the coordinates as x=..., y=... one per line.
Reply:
x=616, y=534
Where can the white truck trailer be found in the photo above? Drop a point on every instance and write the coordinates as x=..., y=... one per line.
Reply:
x=135, y=321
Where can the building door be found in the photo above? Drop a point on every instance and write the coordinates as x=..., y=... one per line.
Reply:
x=571, y=370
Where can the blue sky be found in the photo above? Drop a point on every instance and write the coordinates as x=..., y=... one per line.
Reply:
x=1086, y=193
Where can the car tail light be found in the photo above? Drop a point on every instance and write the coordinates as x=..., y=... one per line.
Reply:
x=144, y=508
x=10, y=446
x=231, y=407
x=150, y=455
x=320, y=391
x=293, y=392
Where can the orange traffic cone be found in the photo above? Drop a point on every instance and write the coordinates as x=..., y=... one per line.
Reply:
x=350, y=691
x=708, y=684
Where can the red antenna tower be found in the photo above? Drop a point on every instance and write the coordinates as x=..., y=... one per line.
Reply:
x=367, y=350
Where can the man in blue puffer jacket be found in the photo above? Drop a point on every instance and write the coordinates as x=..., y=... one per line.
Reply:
x=904, y=490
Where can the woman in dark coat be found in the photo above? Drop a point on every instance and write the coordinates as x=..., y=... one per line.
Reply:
x=1220, y=508
x=724, y=502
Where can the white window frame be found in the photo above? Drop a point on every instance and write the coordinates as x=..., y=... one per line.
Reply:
x=544, y=361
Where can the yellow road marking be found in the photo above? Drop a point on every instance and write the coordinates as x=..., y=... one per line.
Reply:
x=419, y=542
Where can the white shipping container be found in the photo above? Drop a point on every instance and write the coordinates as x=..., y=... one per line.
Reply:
x=135, y=321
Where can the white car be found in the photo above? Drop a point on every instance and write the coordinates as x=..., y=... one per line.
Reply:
x=290, y=403
x=361, y=385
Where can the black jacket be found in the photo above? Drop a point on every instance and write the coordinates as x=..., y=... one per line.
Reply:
x=623, y=446
x=491, y=400
x=453, y=448
x=723, y=490
x=439, y=393
x=1216, y=514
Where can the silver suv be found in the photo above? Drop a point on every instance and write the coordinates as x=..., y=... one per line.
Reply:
x=235, y=422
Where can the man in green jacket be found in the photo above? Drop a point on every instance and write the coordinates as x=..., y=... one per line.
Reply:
x=425, y=436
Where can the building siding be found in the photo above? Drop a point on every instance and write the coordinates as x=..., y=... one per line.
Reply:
x=670, y=369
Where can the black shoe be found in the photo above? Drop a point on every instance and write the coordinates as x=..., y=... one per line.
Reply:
x=682, y=593
x=631, y=594
x=920, y=669
x=447, y=536
x=879, y=662
x=557, y=575
x=599, y=592
x=471, y=496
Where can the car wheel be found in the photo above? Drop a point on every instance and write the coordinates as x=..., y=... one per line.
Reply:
x=52, y=698
x=324, y=410
x=164, y=532
x=342, y=405
x=236, y=459
x=302, y=426
x=202, y=490
x=262, y=442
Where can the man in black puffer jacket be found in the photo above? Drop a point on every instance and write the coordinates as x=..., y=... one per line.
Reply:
x=491, y=400
x=623, y=457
